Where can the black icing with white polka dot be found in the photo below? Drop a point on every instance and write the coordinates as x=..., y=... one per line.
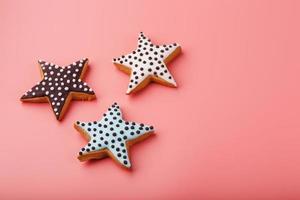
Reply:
x=111, y=133
x=57, y=84
x=146, y=61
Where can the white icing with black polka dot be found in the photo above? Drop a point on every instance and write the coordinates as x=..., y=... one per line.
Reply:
x=57, y=84
x=112, y=133
x=147, y=60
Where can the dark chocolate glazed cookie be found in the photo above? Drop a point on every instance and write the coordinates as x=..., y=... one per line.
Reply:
x=59, y=85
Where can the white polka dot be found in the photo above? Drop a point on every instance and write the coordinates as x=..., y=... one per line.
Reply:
x=43, y=88
x=61, y=70
x=47, y=92
x=50, y=83
x=55, y=109
x=85, y=89
x=43, y=83
x=66, y=88
x=62, y=83
x=56, y=79
x=57, y=113
x=74, y=63
x=58, y=104
x=51, y=95
x=74, y=75
x=56, y=84
x=80, y=86
x=52, y=88
x=62, y=99
x=36, y=88
x=74, y=85
x=58, y=74
x=33, y=93
x=84, y=83
x=68, y=71
x=65, y=76
x=56, y=66
x=45, y=74
x=51, y=72
x=77, y=70
x=59, y=94
x=50, y=79
x=68, y=81
x=90, y=90
x=80, y=65
x=55, y=99
x=53, y=103
x=79, y=80
x=59, y=88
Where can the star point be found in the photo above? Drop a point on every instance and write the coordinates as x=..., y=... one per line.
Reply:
x=111, y=136
x=147, y=63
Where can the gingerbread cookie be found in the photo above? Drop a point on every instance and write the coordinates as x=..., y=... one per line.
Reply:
x=148, y=63
x=59, y=85
x=111, y=136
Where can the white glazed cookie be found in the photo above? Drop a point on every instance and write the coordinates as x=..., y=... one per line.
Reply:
x=59, y=85
x=111, y=136
x=148, y=63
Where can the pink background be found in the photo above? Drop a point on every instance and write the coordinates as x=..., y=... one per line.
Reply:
x=229, y=131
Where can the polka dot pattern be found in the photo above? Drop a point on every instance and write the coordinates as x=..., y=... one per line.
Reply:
x=57, y=84
x=147, y=60
x=112, y=133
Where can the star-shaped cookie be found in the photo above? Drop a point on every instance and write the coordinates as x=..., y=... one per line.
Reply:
x=111, y=136
x=59, y=85
x=148, y=63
